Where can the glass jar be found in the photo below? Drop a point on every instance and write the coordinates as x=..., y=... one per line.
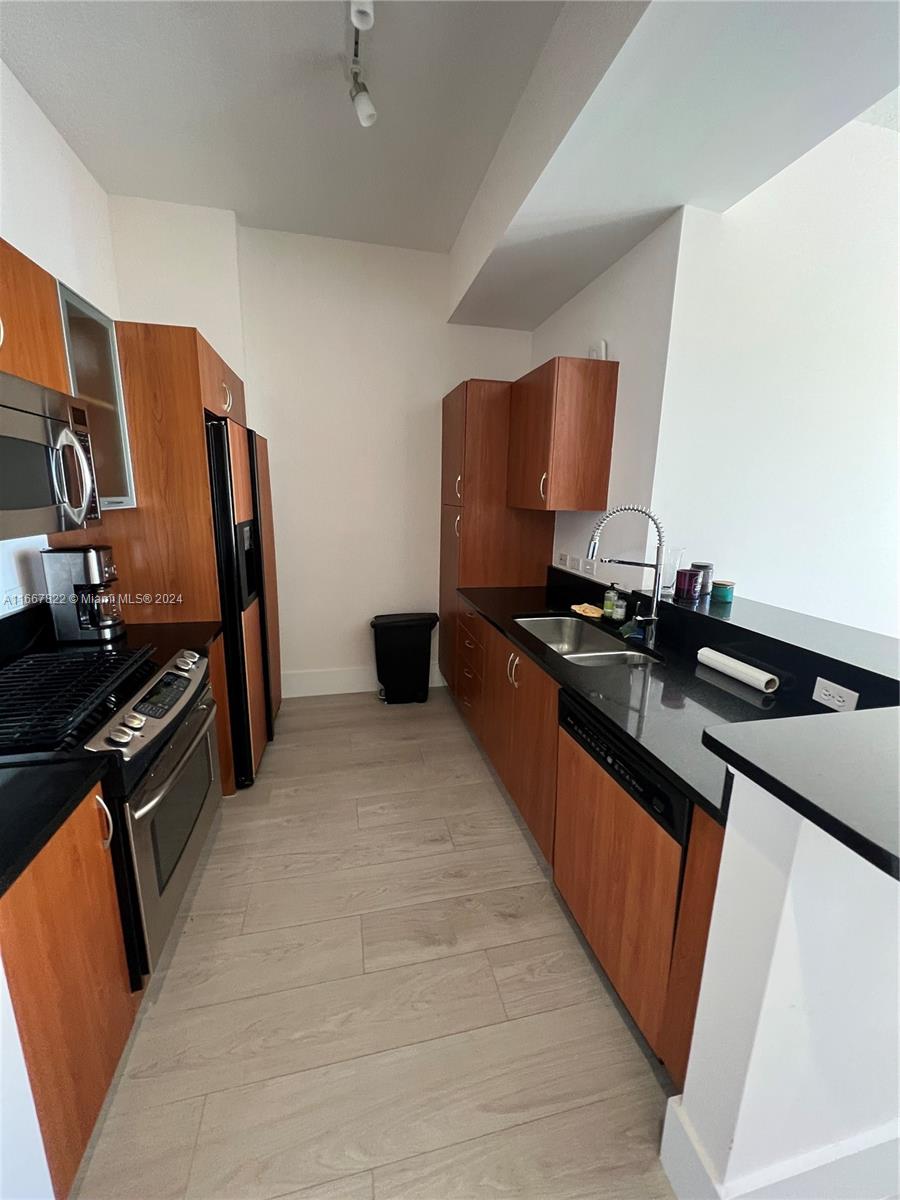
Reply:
x=610, y=596
x=620, y=610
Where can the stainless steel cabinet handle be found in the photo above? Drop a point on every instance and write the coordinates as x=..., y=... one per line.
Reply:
x=458, y=482
x=509, y=666
x=2, y=332
x=229, y=399
x=172, y=778
x=542, y=485
x=107, y=841
x=456, y=525
x=513, y=678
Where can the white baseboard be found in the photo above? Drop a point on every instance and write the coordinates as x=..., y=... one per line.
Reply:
x=338, y=681
x=862, y=1168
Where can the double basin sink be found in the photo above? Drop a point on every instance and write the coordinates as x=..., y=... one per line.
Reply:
x=580, y=643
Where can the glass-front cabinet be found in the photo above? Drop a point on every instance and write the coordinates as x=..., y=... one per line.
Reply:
x=95, y=379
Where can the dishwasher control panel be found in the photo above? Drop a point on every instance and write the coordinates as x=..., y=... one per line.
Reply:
x=668, y=807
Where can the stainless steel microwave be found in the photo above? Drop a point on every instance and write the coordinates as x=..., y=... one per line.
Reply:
x=46, y=472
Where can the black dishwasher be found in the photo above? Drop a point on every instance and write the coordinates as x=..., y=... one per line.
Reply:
x=669, y=807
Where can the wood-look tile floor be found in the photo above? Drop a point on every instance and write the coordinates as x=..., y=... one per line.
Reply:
x=374, y=993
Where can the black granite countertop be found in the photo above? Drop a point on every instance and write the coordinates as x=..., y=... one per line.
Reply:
x=34, y=803
x=663, y=706
x=840, y=771
x=38, y=792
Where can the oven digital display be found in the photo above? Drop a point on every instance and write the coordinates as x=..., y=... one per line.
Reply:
x=162, y=697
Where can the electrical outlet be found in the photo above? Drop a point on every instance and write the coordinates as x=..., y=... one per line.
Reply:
x=563, y=559
x=841, y=699
x=589, y=566
x=574, y=563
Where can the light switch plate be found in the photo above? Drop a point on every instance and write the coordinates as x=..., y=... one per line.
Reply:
x=574, y=563
x=563, y=559
x=589, y=566
x=841, y=699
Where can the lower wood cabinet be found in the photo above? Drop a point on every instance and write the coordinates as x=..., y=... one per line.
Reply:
x=218, y=680
x=518, y=728
x=698, y=891
x=68, y=980
x=618, y=871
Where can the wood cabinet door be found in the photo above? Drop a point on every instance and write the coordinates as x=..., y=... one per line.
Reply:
x=256, y=684
x=535, y=729
x=698, y=891
x=581, y=444
x=498, y=704
x=448, y=601
x=31, y=333
x=65, y=963
x=453, y=445
x=270, y=574
x=618, y=871
x=530, y=435
x=218, y=679
x=239, y=461
x=221, y=391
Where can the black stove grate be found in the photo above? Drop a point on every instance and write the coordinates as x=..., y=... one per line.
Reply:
x=44, y=697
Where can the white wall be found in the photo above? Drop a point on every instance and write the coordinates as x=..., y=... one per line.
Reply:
x=51, y=207
x=348, y=356
x=778, y=444
x=177, y=265
x=630, y=305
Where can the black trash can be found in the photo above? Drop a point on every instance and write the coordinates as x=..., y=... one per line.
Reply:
x=403, y=655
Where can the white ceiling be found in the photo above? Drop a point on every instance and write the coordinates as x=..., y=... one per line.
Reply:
x=702, y=105
x=243, y=104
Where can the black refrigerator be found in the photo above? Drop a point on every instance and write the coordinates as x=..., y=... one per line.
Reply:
x=234, y=478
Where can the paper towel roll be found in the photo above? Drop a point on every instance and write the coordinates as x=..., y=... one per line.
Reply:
x=763, y=681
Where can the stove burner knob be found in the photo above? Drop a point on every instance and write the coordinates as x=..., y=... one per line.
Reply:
x=120, y=736
x=134, y=720
x=190, y=655
x=185, y=664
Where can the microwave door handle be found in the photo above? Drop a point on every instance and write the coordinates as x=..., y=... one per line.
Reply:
x=75, y=515
x=157, y=798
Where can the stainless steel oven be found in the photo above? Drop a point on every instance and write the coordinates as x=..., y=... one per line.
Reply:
x=169, y=816
x=42, y=461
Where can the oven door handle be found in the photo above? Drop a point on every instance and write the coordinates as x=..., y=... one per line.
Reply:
x=158, y=797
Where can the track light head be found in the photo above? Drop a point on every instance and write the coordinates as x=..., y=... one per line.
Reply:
x=362, y=13
x=362, y=102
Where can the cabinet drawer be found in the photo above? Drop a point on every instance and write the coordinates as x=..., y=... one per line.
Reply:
x=470, y=692
x=470, y=654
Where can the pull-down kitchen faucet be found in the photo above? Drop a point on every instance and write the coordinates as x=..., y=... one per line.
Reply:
x=648, y=623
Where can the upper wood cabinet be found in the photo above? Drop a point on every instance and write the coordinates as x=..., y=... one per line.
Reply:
x=31, y=332
x=221, y=390
x=68, y=980
x=560, y=439
x=698, y=891
x=618, y=871
x=453, y=445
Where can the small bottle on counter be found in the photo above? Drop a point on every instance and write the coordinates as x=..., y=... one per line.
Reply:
x=706, y=576
x=620, y=610
x=610, y=596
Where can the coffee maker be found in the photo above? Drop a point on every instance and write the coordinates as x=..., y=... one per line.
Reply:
x=83, y=603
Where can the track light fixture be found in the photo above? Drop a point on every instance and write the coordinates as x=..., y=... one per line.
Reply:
x=362, y=101
x=359, y=93
x=362, y=13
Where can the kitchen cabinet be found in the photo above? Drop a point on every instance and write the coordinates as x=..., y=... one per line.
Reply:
x=31, y=331
x=618, y=871
x=255, y=682
x=221, y=390
x=560, y=435
x=489, y=544
x=266, y=519
x=218, y=680
x=698, y=891
x=470, y=660
x=519, y=725
x=65, y=965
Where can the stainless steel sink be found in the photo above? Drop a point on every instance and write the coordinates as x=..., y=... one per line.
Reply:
x=580, y=643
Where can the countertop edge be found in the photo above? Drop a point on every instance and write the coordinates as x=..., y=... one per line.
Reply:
x=95, y=766
x=873, y=853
